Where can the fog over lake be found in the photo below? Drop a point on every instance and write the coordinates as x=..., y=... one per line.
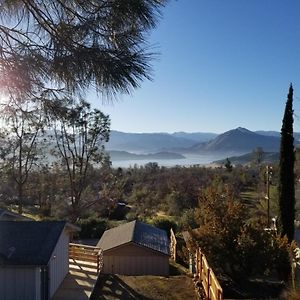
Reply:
x=189, y=160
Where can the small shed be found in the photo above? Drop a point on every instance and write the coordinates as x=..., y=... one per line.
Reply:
x=135, y=248
x=34, y=258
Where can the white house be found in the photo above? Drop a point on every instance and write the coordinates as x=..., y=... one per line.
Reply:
x=34, y=258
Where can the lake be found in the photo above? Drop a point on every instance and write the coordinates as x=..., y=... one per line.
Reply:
x=189, y=160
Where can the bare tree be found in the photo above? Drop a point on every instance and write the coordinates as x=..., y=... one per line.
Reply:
x=80, y=133
x=24, y=122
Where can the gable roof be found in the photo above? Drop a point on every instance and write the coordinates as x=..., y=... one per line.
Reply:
x=7, y=215
x=138, y=233
x=28, y=243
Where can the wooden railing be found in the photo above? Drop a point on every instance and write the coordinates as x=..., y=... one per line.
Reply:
x=205, y=275
x=173, y=243
x=89, y=254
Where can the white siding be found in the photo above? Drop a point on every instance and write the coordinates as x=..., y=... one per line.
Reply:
x=20, y=283
x=59, y=263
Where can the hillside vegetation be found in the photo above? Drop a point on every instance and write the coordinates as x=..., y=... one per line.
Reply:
x=225, y=207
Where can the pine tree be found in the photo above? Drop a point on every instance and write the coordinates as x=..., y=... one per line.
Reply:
x=286, y=188
x=75, y=45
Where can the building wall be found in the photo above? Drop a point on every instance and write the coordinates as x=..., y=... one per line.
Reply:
x=20, y=283
x=59, y=263
x=132, y=259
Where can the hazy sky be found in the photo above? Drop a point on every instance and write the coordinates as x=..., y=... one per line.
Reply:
x=222, y=64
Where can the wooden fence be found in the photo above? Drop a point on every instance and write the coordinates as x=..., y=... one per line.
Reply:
x=205, y=275
x=173, y=243
x=88, y=254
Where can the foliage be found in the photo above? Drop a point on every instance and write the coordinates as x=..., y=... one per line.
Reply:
x=164, y=223
x=257, y=155
x=286, y=186
x=91, y=228
x=283, y=257
x=247, y=249
x=21, y=142
x=187, y=219
x=77, y=44
x=220, y=220
x=228, y=165
x=79, y=133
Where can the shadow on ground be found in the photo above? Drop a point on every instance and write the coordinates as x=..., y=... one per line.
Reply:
x=111, y=287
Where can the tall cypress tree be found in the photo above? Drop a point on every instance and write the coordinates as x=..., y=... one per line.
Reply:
x=286, y=187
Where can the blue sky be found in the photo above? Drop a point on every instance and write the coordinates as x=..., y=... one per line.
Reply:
x=222, y=64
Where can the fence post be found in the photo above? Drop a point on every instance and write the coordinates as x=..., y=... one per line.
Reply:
x=98, y=263
x=208, y=283
x=201, y=265
x=197, y=263
x=173, y=244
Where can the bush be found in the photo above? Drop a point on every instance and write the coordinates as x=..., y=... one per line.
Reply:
x=236, y=247
x=165, y=224
x=188, y=220
x=283, y=257
x=255, y=249
x=91, y=228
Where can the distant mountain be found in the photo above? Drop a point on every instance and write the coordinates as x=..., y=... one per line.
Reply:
x=123, y=155
x=277, y=134
x=197, y=137
x=267, y=157
x=268, y=133
x=239, y=140
x=150, y=142
x=233, y=142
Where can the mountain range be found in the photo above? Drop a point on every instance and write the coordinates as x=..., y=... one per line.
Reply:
x=239, y=140
x=235, y=142
x=154, y=142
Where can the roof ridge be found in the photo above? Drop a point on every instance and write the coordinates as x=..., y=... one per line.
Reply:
x=133, y=231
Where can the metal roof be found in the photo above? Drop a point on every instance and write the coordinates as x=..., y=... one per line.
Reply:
x=7, y=215
x=28, y=243
x=138, y=233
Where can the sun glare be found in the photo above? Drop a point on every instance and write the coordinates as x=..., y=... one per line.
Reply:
x=3, y=100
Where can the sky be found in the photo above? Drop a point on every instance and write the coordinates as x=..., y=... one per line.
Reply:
x=221, y=65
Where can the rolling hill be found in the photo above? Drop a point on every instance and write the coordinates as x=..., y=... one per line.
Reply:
x=153, y=142
x=239, y=140
x=233, y=142
x=267, y=157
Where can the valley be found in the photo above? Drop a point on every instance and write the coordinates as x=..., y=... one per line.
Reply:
x=188, y=149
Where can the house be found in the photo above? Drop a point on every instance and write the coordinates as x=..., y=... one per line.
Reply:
x=6, y=215
x=135, y=248
x=34, y=258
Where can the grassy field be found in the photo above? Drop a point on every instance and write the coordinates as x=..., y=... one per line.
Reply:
x=112, y=287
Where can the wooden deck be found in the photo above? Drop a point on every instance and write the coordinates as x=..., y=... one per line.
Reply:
x=79, y=283
x=84, y=269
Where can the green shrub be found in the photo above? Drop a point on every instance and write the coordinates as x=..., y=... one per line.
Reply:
x=91, y=228
x=188, y=220
x=164, y=223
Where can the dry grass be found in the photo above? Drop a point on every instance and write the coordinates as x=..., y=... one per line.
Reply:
x=145, y=287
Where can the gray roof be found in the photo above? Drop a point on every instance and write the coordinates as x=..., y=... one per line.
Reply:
x=28, y=243
x=138, y=233
x=7, y=215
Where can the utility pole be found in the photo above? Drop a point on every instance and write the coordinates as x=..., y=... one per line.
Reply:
x=269, y=178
